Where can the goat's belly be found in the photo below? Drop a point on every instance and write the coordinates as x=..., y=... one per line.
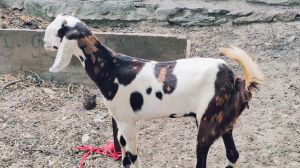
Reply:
x=177, y=104
x=170, y=107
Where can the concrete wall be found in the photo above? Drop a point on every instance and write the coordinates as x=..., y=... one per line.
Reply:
x=23, y=49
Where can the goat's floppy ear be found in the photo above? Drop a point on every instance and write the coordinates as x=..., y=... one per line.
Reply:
x=64, y=55
x=73, y=34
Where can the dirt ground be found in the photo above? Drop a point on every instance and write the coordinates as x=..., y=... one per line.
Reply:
x=41, y=122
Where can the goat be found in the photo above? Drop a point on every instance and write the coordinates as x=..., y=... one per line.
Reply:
x=136, y=89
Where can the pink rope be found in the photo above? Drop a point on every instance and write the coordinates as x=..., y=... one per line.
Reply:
x=106, y=150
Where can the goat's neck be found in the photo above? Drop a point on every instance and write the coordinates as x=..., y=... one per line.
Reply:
x=94, y=51
x=106, y=68
x=98, y=58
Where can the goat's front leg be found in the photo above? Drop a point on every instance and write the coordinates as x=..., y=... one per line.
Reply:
x=231, y=152
x=127, y=140
x=115, y=135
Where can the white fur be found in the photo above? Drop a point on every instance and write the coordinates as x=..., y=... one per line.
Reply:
x=64, y=55
x=228, y=163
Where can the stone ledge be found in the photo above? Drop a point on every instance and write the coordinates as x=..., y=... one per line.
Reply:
x=23, y=49
x=276, y=2
x=193, y=13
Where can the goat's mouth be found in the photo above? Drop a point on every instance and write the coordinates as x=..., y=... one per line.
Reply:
x=51, y=48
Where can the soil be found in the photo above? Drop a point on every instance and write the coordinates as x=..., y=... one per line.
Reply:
x=15, y=18
x=42, y=121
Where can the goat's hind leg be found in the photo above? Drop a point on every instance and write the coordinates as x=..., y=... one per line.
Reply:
x=202, y=151
x=231, y=152
x=207, y=134
x=127, y=140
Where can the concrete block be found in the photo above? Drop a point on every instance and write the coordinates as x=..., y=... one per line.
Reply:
x=23, y=49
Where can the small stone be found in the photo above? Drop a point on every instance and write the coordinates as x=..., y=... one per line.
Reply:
x=49, y=92
x=218, y=11
x=98, y=118
x=275, y=2
x=292, y=38
x=9, y=77
x=191, y=19
x=89, y=101
x=254, y=18
x=27, y=135
x=240, y=13
x=221, y=21
x=62, y=95
x=85, y=138
x=286, y=16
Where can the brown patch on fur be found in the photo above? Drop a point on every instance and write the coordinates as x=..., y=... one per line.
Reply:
x=163, y=72
x=219, y=100
x=162, y=75
x=219, y=117
x=92, y=39
x=90, y=49
x=88, y=44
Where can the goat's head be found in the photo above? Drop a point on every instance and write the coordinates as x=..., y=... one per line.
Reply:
x=61, y=35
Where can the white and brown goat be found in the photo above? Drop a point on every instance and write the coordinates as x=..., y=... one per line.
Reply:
x=136, y=89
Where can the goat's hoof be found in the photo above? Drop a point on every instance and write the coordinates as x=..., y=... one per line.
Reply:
x=230, y=164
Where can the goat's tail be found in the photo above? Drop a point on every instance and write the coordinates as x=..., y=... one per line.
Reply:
x=252, y=73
